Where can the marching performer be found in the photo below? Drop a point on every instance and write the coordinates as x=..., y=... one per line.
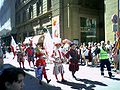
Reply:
x=20, y=54
x=30, y=54
x=40, y=70
x=58, y=60
x=74, y=57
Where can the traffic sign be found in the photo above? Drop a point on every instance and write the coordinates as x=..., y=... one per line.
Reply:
x=115, y=18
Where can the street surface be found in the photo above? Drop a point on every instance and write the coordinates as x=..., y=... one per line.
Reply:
x=88, y=78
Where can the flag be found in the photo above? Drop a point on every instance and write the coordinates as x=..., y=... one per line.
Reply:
x=13, y=46
x=48, y=44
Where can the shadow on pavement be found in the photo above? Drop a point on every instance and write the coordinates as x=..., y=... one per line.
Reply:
x=113, y=78
x=85, y=86
x=28, y=69
x=31, y=83
x=78, y=86
x=86, y=81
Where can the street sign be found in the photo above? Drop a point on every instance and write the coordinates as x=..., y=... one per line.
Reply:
x=115, y=18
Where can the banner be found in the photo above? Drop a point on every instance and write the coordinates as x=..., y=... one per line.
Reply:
x=48, y=44
x=55, y=27
x=13, y=46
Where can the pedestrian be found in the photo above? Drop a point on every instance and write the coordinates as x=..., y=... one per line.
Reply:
x=82, y=49
x=73, y=56
x=58, y=60
x=86, y=53
x=118, y=45
x=37, y=51
x=95, y=55
x=30, y=54
x=1, y=55
x=109, y=47
x=115, y=57
x=13, y=50
x=12, y=79
x=4, y=50
x=19, y=53
x=40, y=70
x=104, y=59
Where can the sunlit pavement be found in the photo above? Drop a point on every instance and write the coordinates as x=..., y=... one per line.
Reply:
x=88, y=78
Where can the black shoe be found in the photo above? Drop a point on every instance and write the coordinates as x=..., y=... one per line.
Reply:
x=111, y=76
x=102, y=74
x=48, y=81
x=63, y=80
x=115, y=70
x=40, y=82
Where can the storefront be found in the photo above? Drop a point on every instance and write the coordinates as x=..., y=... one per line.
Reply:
x=88, y=29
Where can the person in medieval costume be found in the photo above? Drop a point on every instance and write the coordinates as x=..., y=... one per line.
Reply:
x=58, y=60
x=37, y=51
x=30, y=54
x=19, y=53
x=73, y=56
x=40, y=70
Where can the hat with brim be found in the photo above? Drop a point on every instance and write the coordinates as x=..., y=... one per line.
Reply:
x=72, y=44
x=56, y=44
x=57, y=41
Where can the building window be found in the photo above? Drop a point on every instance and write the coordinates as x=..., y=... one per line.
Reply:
x=39, y=7
x=24, y=35
x=30, y=12
x=18, y=19
x=93, y=4
x=88, y=29
x=31, y=33
x=24, y=15
x=49, y=5
x=17, y=3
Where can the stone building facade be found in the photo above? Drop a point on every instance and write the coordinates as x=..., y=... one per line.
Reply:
x=80, y=20
x=31, y=16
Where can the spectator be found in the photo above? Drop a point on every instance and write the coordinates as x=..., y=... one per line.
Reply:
x=1, y=55
x=12, y=79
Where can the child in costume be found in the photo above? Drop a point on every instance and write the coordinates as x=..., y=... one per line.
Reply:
x=40, y=70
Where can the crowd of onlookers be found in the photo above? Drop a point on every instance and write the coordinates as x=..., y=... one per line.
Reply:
x=89, y=54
